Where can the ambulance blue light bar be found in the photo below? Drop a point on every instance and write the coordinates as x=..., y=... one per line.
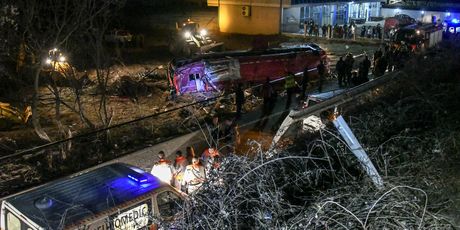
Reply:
x=455, y=21
x=138, y=178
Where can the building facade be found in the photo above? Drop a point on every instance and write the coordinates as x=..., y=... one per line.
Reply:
x=327, y=12
x=249, y=16
x=276, y=16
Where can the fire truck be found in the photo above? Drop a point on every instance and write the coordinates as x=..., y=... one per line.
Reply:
x=217, y=71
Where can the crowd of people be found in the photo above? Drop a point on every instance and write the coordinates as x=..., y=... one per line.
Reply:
x=391, y=58
x=346, y=31
x=186, y=173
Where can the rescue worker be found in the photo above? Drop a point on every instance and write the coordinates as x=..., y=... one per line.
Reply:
x=305, y=79
x=207, y=158
x=364, y=67
x=381, y=66
x=341, y=71
x=194, y=176
x=268, y=103
x=239, y=100
x=180, y=163
x=322, y=75
x=349, y=61
x=289, y=85
x=163, y=169
x=377, y=54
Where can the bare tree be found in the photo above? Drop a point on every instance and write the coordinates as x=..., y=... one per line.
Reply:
x=44, y=25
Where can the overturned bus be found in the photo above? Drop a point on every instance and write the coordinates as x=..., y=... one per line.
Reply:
x=216, y=71
x=116, y=196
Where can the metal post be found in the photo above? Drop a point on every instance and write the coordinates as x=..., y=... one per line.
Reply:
x=358, y=151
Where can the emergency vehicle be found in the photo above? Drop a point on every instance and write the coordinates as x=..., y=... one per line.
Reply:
x=116, y=196
x=451, y=26
x=218, y=70
x=418, y=35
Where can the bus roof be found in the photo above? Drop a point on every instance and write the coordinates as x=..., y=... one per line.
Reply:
x=72, y=199
x=242, y=53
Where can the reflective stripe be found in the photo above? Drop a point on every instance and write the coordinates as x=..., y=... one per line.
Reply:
x=289, y=82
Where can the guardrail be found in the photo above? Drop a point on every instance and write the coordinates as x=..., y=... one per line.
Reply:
x=345, y=97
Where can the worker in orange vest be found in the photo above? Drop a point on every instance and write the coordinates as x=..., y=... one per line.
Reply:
x=180, y=163
x=194, y=176
x=210, y=158
x=163, y=169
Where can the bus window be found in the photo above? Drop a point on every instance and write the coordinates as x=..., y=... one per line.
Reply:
x=169, y=204
x=12, y=222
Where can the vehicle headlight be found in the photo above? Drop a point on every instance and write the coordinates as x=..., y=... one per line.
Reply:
x=48, y=61
x=203, y=32
x=187, y=34
x=62, y=59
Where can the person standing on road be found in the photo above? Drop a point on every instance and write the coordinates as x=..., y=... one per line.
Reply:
x=163, y=169
x=322, y=72
x=345, y=31
x=194, y=176
x=363, y=31
x=239, y=100
x=381, y=66
x=316, y=30
x=377, y=54
x=379, y=31
x=305, y=29
x=364, y=67
x=349, y=61
x=324, y=30
x=180, y=163
x=268, y=103
x=289, y=85
x=304, y=83
x=341, y=71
